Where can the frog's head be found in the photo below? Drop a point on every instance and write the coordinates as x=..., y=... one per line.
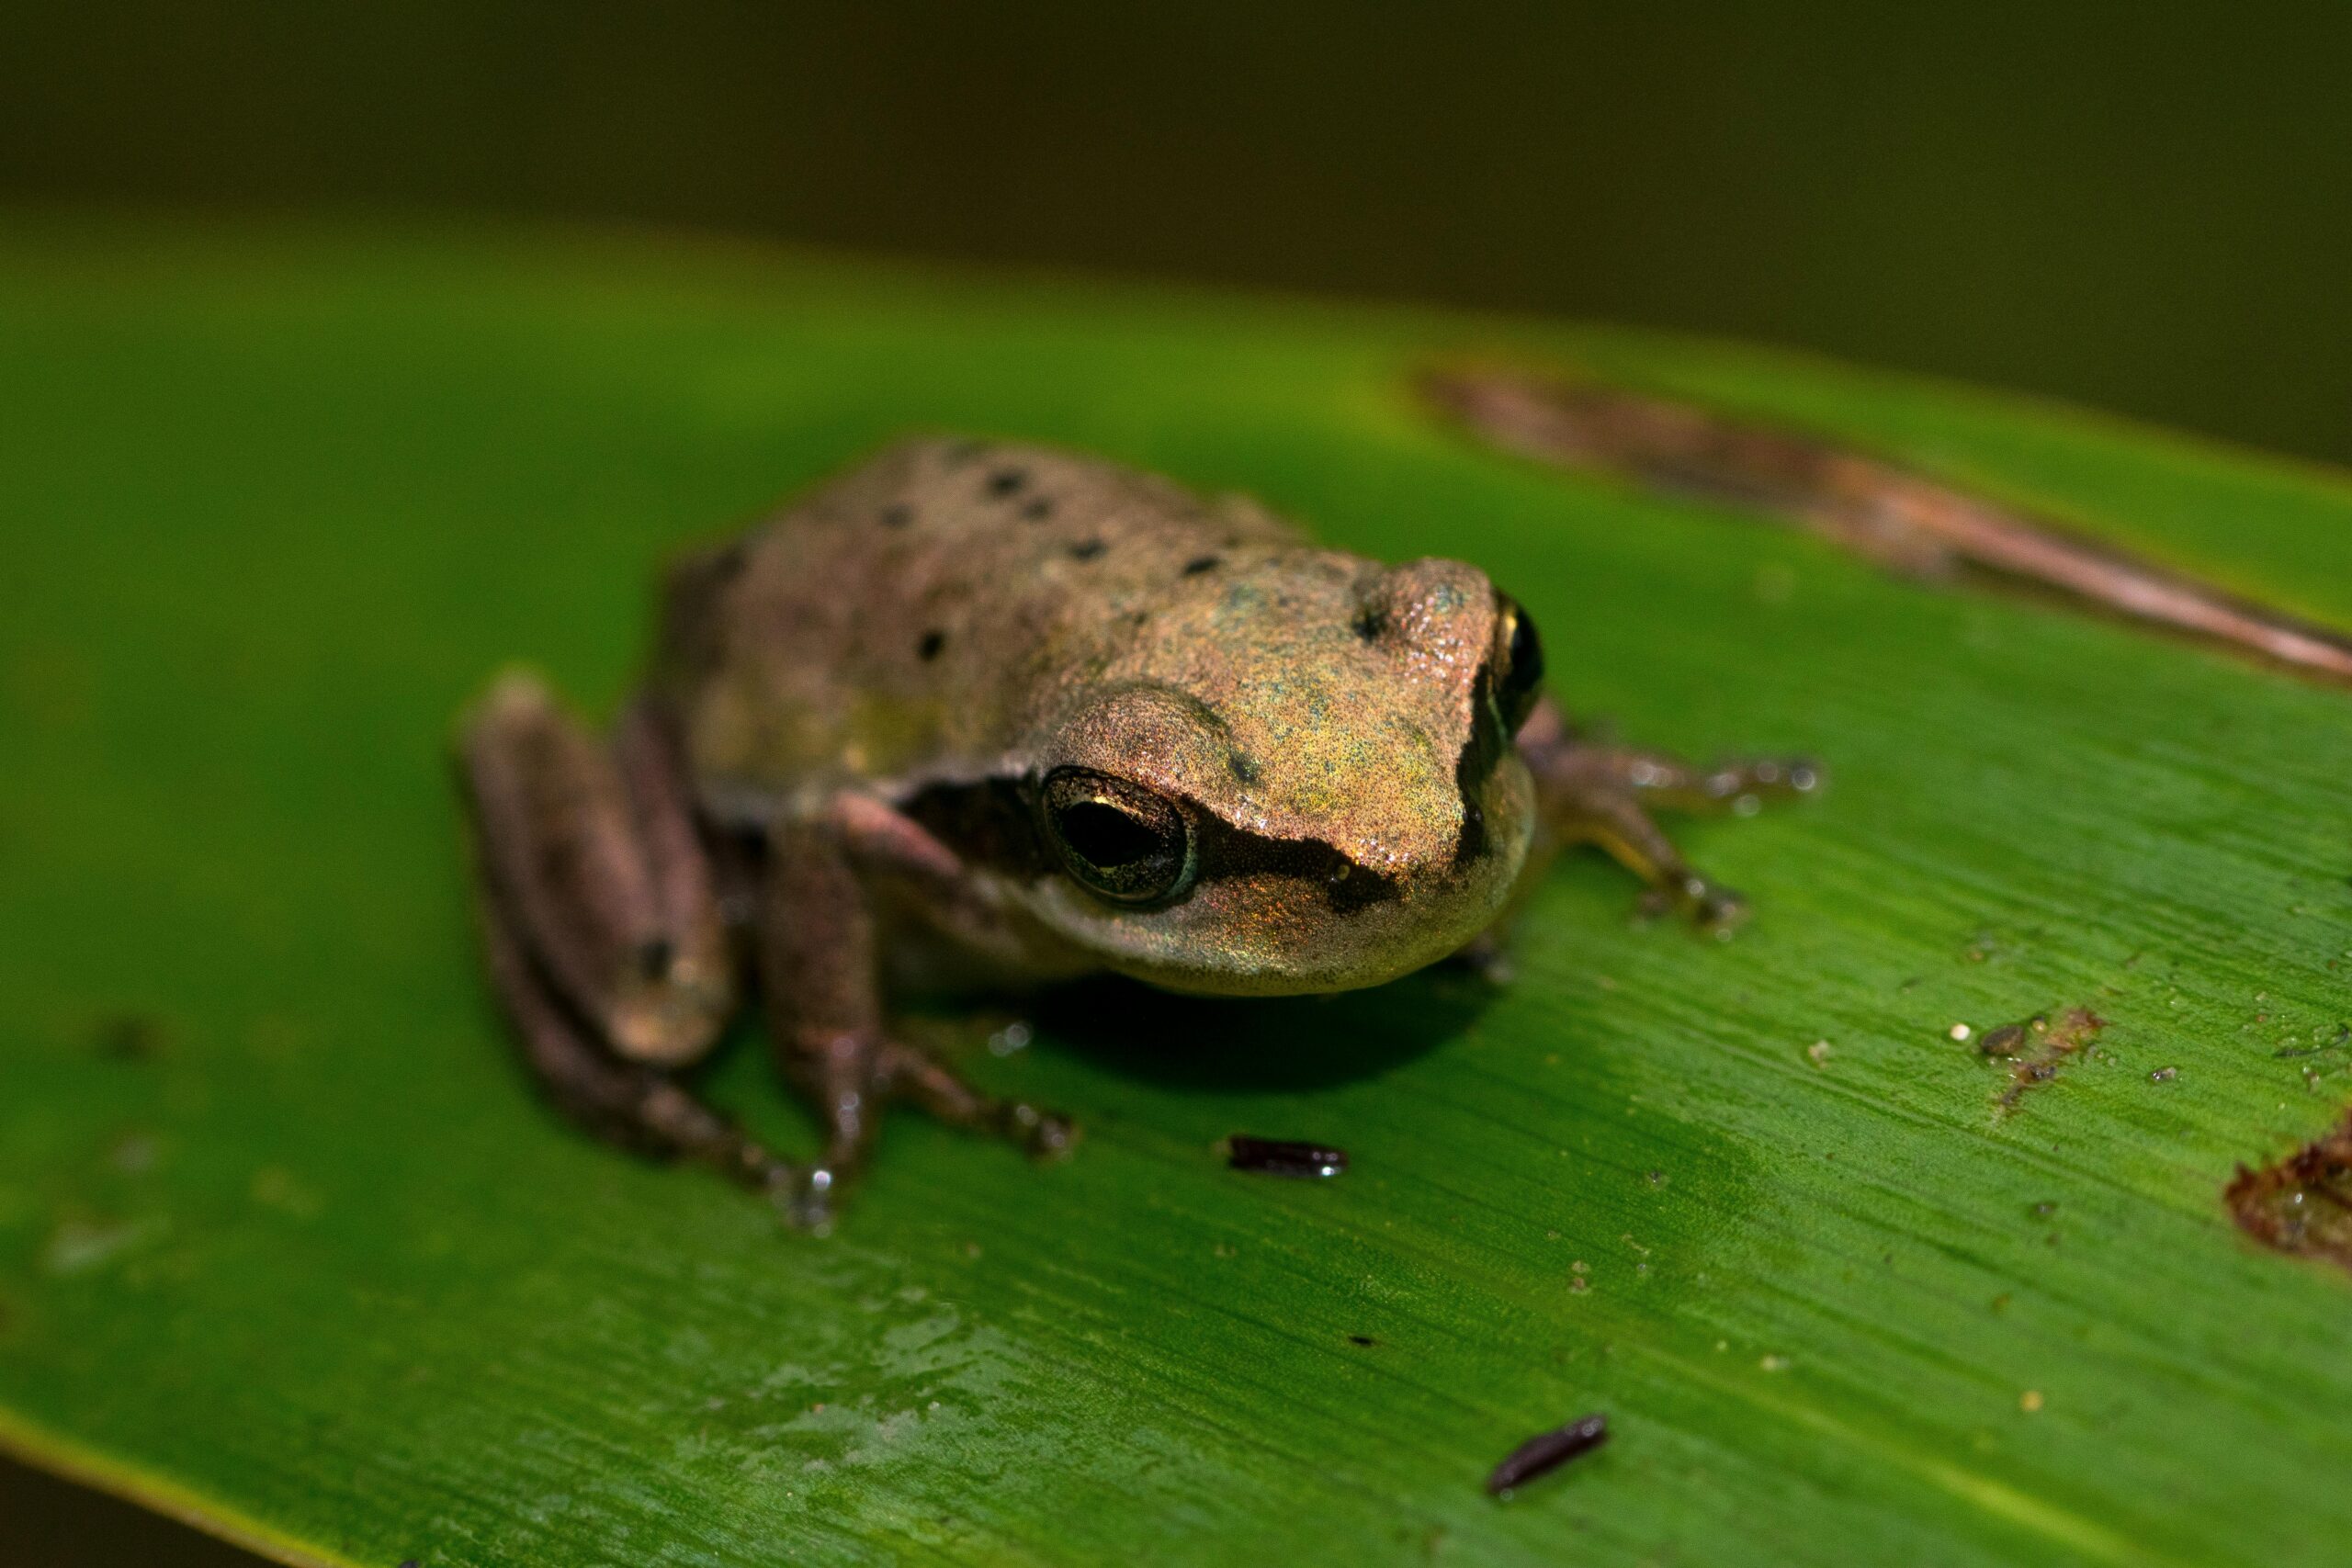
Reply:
x=1297, y=776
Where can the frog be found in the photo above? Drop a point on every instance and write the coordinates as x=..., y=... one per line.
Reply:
x=982, y=714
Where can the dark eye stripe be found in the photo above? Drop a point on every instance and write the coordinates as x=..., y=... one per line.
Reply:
x=1522, y=675
x=992, y=822
x=1230, y=852
x=1482, y=750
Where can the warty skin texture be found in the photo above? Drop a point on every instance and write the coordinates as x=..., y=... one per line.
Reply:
x=952, y=614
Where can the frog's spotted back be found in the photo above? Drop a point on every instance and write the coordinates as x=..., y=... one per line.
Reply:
x=950, y=601
x=901, y=616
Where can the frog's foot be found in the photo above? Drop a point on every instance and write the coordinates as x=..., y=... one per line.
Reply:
x=604, y=936
x=853, y=1074
x=1486, y=956
x=1592, y=792
x=822, y=991
x=915, y=1077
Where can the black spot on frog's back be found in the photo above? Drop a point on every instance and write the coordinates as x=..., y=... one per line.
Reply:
x=927, y=647
x=128, y=1036
x=1087, y=549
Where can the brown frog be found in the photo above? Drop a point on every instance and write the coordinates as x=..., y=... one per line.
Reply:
x=1005, y=715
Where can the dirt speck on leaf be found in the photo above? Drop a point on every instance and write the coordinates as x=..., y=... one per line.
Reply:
x=1905, y=520
x=2036, y=1048
x=2302, y=1204
x=1283, y=1156
x=81, y=1243
x=127, y=1037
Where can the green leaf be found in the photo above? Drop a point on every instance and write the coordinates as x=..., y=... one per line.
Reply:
x=286, y=1244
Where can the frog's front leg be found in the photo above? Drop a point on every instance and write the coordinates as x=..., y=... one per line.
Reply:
x=1589, y=791
x=605, y=938
x=821, y=975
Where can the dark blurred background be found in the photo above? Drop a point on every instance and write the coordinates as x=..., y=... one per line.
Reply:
x=2143, y=207
x=2147, y=207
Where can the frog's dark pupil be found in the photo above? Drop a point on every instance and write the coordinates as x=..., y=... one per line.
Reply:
x=1123, y=841
x=1107, y=836
x=1522, y=675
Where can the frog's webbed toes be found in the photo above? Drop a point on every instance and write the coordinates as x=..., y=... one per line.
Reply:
x=1713, y=907
x=1744, y=785
x=1041, y=1134
x=1602, y=794
x=915, y=1076
x=1741, y=786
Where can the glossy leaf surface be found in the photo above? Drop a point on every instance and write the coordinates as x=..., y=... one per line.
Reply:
x=286, y=1244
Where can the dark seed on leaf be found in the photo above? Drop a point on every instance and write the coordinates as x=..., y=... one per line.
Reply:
x=1541, y=1456
x=128, y=1037
x=2004, y=1040
x=1275, y=1157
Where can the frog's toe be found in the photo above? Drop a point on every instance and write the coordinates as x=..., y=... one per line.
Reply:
x=807, y=1200
x=1041, y=1134
x=1714, y=909
x=1717, y=911
x=1742, y=787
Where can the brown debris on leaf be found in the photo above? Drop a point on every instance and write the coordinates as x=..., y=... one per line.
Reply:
x=2302, y=1204
x=1283, y=1156
x=2036, y=1048
x=1546, y=1452
x=1903, y=520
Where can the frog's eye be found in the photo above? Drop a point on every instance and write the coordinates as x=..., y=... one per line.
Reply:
x=1518, y=663
x=1118, y=838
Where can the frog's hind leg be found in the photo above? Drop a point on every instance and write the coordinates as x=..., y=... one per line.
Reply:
x=623, y=1102
x=605, y=935
x=821, y=985
x=1589, y=791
